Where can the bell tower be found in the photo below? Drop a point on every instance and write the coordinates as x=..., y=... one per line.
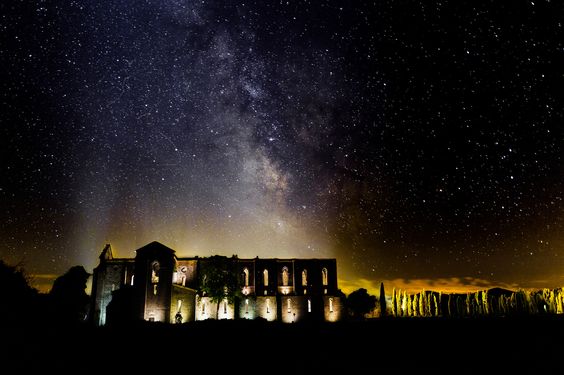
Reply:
x=154, y=266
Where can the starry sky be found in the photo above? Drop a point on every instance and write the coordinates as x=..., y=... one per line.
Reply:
x=419, y=143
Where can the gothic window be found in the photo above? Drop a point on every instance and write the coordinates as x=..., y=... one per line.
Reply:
x=265, y=277
x=155, y=267
x=304, y=278
x=285, y=276
x=289, y=305
x=246, y=276
x=324, y=276
x=330, y=304
x=182, y=276
x=308, y=305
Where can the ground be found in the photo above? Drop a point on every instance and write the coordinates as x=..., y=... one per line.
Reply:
x=438, y=346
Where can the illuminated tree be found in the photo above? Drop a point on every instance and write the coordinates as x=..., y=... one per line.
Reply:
x=469, y=304
x=478, y=304
x=559, y=302
x=429, y=303
x=530, y=305
x=404, y=304
x=219, y=280
x=485, y=302
x=394, y=303
x=360, y=303
x=422, y=303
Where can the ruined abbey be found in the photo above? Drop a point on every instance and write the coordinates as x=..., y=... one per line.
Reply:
x=158, y=286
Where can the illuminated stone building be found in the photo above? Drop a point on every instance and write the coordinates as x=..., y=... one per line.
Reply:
x=158, y=286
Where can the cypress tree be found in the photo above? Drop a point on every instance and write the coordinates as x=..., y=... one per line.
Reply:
x=422, y=303
x=394, y=303
x=404, y=303
x=382, y=301
x=485, y=302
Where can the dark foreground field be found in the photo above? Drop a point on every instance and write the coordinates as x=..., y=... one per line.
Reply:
x=398, y=346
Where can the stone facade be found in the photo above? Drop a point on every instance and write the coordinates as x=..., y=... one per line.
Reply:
x=158, y=286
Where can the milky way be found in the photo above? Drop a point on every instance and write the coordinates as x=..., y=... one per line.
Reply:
x=410, y=141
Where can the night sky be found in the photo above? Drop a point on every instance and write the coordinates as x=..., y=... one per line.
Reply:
x=419, y=143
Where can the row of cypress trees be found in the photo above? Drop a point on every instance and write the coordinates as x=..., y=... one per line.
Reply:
x=493, y=302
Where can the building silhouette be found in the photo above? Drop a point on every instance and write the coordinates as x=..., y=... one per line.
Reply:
x=158, y=286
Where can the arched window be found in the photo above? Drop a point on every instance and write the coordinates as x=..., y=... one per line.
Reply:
x=265, y=277
x=289, y=305
x=224, y=307
x=285, y=276
x=182, y=276
x=246, y=276
x=304, y=278
x=330, y=304
x=246, y=306
x=132, y=279
x=324, y=276
x=155, y=267
x=308, y=305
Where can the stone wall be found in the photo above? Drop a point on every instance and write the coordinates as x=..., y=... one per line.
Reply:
x=164, y=285
x=183, y=300
x=110, y=277
x=206, y=309
x=186, y=273
x=293, y=309
x=332, y=308
x=266, y=307
x=248, y=307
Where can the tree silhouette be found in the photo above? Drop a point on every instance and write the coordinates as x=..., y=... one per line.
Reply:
x=68, y=297
x=18, y=298
x=219, y=280
x=360, y=303
x=383, y=306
